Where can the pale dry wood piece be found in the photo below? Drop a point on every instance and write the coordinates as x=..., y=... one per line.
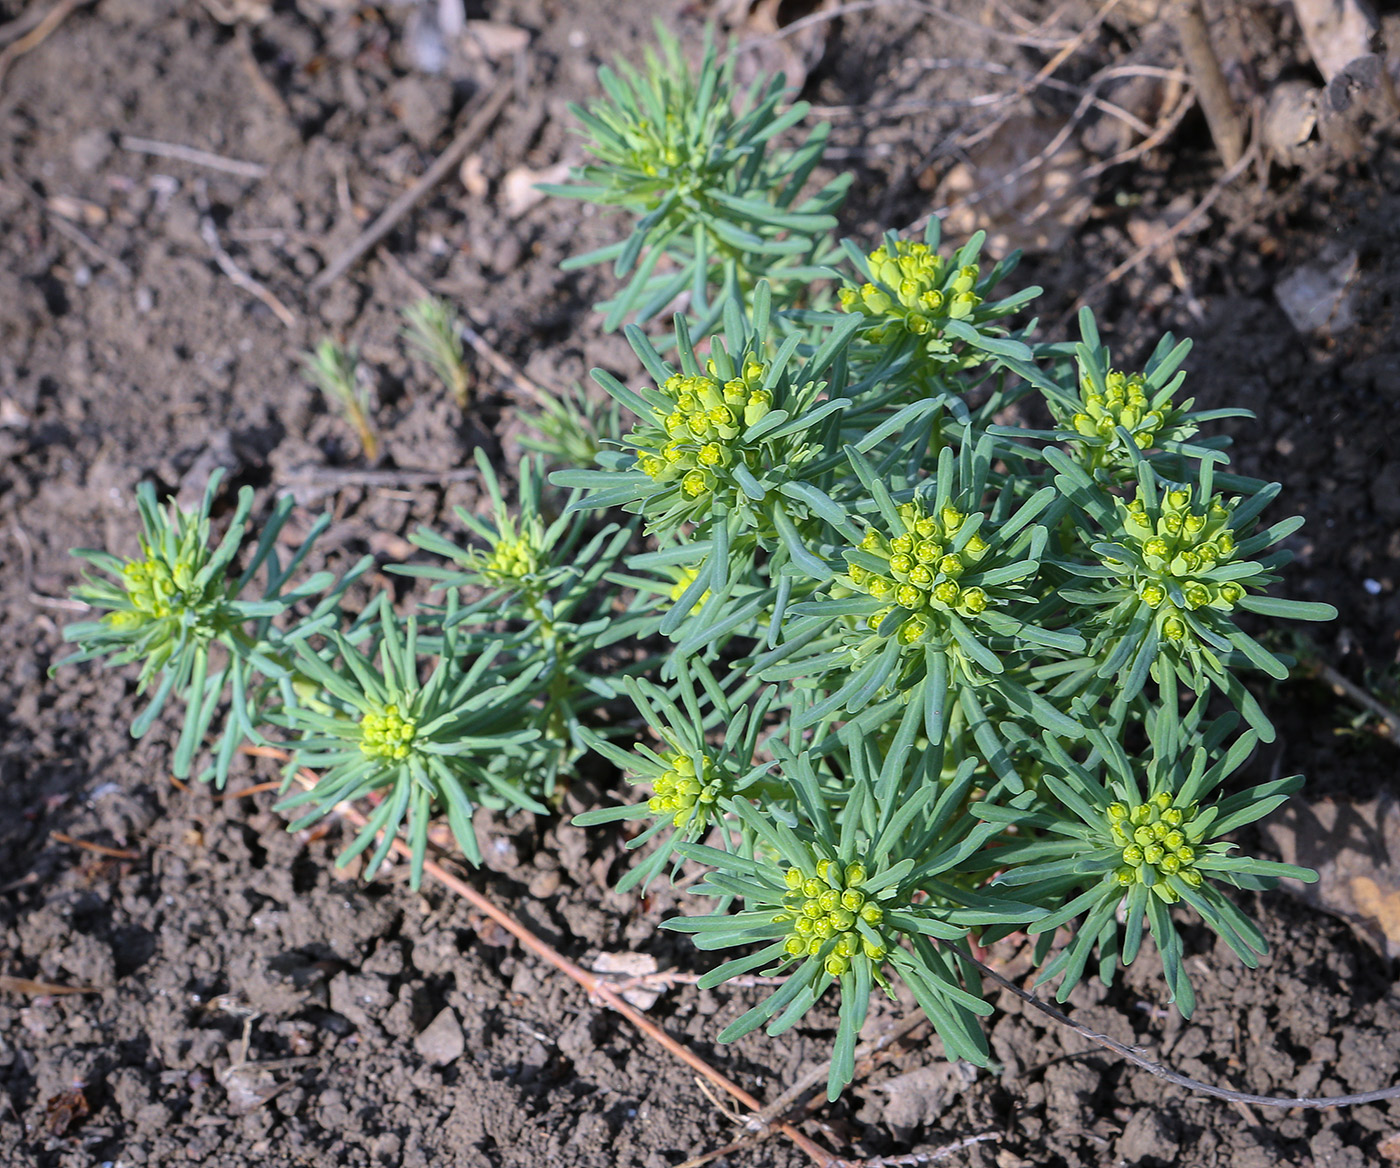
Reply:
x=1336, y=32
x=442, y=166
x=237, y=275
x=193, y=155
x=1226, y=125
x=41, y=32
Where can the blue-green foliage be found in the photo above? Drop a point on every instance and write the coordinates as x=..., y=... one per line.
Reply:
x=918, y=677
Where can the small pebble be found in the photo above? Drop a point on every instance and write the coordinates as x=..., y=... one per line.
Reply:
x=1373, y=587
x=441, y=1042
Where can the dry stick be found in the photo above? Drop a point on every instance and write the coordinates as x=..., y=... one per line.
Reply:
x=594, y=985
x=237, y=275
x=898, y=109
x=42, y=31
x=855, y=6
x=442, y=166
x=1226, y=127
x=100, y=849
x=20, y=25
x=1185, y=224
x=1348, y=688
x=193, y=156
x=1072, y=46
x=1162, y=1072
x=1151, y=142
x=24, y=985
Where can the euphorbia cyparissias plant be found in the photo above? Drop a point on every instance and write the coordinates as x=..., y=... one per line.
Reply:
x=905, y=677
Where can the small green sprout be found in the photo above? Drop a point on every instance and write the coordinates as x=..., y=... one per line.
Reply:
x=572, y=428
x=433, y=332
x=335, y=370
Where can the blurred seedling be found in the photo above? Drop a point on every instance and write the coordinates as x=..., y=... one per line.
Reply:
x=432, y=331
x=572, y=428
x=335, y=370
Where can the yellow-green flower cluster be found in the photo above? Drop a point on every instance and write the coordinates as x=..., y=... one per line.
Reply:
x=157, y=589
x=704, y=427
x=685, y=577
x=829, y=906
x=387, y=735
x=153, y=589
x=922, y=571
x=681, y=793
x=914, y=289
x=1156, y=837
x=1124, y=403
x=511, y=560
x=1175, y=549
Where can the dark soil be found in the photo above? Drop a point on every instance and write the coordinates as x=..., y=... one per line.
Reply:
x=250, y=1005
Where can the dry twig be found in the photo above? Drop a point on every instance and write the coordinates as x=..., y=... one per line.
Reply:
x=39, y=989
x=193, y=156
x=209, y=233
x=442, y=166
x=1028, y=40
x=41, y=32
x=1185, y=224
x=100, y=849
x=1345, y=687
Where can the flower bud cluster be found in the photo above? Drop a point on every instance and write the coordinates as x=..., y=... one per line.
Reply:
x=387, y=735
x=1175, y=549
x=922, y=570
x=683, y=794
x=685, y=577
x=1124, y=403
x=158, y=589
x=1158, y=840
x=704, y=427
x=512, y=560
x=832, y=906
x=153, y=588
x=916, y=291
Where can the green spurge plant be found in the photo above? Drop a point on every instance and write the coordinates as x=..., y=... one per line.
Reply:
x=716, y=208
x=961, y=625
x=444, y=710
x=907, y=677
